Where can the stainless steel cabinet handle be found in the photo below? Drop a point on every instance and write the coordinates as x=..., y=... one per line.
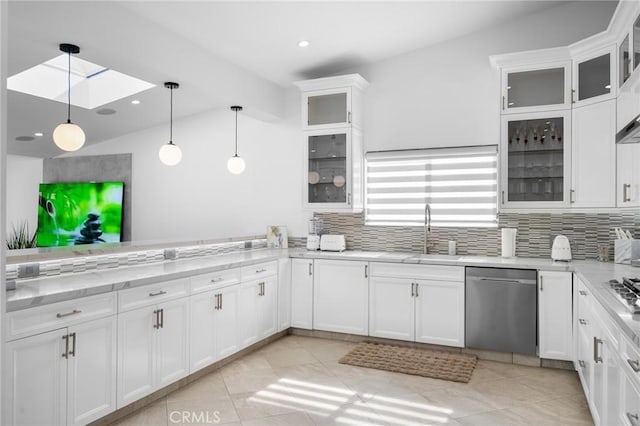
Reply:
x=74, y=312
x=349, y=199
x=349, y=117
x=596, y=353
x=157, y=314
x=158, y=293
x=581, y=363
x=220, y=301
x=635, y=365
x=502, y=197
x=73, y=345
x=582, y=293
x=417, y=285
x=572, y=192
x=65, y=354
x=541, y=284
x=573, y=96
x=261, y=289
x=633, y=419
x=259, y=271
x=310, y=268
x=412, y=292
x=625, y=192
x=216, y=280
x=161, y=318
x=581, y=321
x=366, y=271
x=504, y=102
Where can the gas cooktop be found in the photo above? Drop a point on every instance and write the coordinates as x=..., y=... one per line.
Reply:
x=627, y=292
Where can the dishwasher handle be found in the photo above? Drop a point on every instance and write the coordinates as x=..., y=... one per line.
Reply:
x=504, y=281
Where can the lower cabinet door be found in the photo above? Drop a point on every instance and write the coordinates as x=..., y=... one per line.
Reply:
x=35, y=381
x=440, y=312
x=555, y=316
x=173, y=342
x=630, y=402
x=585, y=357
x=247, y=313
x=226, y=322
x=267, y=311
x=284, y=294
x=92, y=371
x=391, y=308
x=202, y=347
x=302, y=293
x=136, y=354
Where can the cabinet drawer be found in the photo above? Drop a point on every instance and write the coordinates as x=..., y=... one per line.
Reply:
x=259, y=270
x=422, y=272
x=151, y=294
x=630, y=355
x=630, y=407
x=57, y=315
x=214, y=280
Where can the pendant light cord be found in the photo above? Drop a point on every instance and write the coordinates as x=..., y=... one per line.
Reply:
x=236, y=133
x=171, y=118
x=69, y=91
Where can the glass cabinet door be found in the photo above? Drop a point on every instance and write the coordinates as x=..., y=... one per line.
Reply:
x=327, y=173
x=535, y=88
x=594, y=77
x=624, y=60
x=535, y=159
x=636, y=43
x=328, y=107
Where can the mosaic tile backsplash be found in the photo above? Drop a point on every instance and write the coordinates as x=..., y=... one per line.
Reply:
x=585, y=231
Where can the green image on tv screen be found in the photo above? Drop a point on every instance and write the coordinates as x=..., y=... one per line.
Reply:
x=79, y=213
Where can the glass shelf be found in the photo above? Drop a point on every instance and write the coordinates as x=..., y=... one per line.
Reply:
x=327, y=177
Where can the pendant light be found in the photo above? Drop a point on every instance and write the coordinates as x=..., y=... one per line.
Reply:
x=236, y=164
x=170, y=154
x=68, y=136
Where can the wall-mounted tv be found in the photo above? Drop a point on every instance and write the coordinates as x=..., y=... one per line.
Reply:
x=79, y=213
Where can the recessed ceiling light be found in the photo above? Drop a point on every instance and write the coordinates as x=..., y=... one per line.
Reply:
x=106, y=111
x=303, y=43
x=135, y=102
x=38, y=134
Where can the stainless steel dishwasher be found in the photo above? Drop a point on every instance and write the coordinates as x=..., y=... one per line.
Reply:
x=501, y=309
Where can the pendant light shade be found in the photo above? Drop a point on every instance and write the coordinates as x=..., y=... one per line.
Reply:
x=236, y=164
x=170, y=154
x=68, y=136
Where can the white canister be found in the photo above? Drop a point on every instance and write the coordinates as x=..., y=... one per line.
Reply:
x=452, y=248
x=509, y=242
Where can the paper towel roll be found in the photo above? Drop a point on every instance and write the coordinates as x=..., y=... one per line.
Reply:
x=509, y=242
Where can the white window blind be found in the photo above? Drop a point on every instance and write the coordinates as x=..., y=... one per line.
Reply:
x=459, y=184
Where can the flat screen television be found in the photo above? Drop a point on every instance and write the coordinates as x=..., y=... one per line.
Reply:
x=79, y=213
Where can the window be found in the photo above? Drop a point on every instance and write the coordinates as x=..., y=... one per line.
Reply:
x=460, y=185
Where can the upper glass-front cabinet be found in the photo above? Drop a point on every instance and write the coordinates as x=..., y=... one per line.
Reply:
x=328, y=108
x=535, y=160
x=536, y=89
x=624, y=60
x=636, y=43
x=593, y=75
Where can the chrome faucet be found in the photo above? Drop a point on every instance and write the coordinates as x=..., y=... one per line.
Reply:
x=427, y=225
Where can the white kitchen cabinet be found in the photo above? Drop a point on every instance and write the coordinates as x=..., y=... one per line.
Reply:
x=341, y=296
x=267, y=307
x=593, y=148
x=65, y=376
x=227, y=327
x=153, y=344
x=630, y=402
x=284, y=294
x=391, y=308
x=440, y=312
x=302, y=293
x=535, y=160
x=555, y=316
x=417, y=303
x=530, y=88
x=628, y=175
x=594, y=76
x=202, y=345
x=247, y=307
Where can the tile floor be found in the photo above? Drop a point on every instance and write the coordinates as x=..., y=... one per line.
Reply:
x=297, y=381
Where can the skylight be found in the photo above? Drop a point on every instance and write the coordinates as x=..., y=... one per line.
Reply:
x=92, y=85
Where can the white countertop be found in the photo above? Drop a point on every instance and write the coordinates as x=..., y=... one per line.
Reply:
x=45, y=290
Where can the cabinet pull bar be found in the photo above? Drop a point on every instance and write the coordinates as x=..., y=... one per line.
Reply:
x=220, y=301
x=259, y=271
x=503, y=197
x=157, y=324
x=582, y=293
x=596, y=353
x=625, y=192
x=504, y=101
x=349, y=199
x=310, y=269
x=412, y=292
x=366, y=271
x=417, y=286
x=633, y=419
x=635, y=365
x=541, y=284
x=582, y=321
x=161, y=318
x=581, y=363
x=218, y=279
x=158, y=293
x=73, y=345
x=65, y=354
x=573, y=96
x=74, y=312
x=572, y=192
x=349, y=117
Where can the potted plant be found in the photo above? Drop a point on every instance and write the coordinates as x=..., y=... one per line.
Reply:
x=21, y=237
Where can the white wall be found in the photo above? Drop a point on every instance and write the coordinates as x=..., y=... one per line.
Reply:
x=448, y=94
x=24, y=174
x=199, y=198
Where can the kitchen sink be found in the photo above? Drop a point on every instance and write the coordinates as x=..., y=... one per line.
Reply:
x=438, y=257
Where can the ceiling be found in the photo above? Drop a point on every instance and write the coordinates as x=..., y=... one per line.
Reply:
x=222, y=53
